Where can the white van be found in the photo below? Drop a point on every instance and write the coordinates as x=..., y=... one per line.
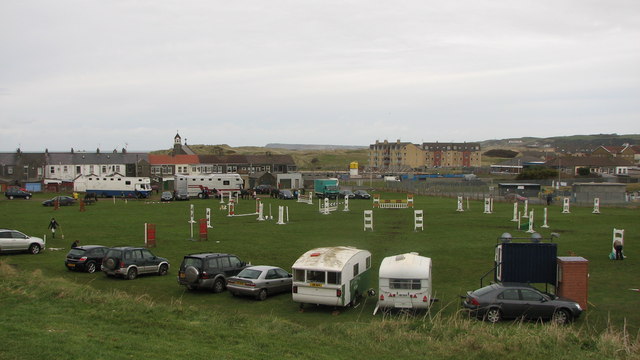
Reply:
x=335, y=276
x=405, y=282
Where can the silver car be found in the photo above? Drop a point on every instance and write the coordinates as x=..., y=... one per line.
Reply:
x=13, y=240
x=260, y=282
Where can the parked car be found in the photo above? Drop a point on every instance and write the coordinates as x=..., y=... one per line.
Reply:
x=285, y=195
x=166, y=196
x=348, y=193
x=16, y=192
x=362, y=194
x=85, y=258
x=260, y=282
x=14, y=240
x=62, y=201
x=129, y=262
x=514, y=300
x=208, y=270
x=181, y=195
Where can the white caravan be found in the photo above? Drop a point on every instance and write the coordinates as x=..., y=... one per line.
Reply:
x=336, y=276
x=204, y=185
x=405, y=282
x=113, y=185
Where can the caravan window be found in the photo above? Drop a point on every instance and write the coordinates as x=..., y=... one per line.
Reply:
x=226, y=182
x=368, y=262
x=315, y=276
x=404, y=284
x=127, y=182
x=356, y=269
x=298, y=275
x=334, y=278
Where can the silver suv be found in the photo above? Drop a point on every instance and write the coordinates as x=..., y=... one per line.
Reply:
x=129, y=262
x=13, y=240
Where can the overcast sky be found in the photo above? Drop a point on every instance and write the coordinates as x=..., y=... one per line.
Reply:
x=86, y=74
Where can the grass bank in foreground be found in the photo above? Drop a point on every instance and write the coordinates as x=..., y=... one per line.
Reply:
x=53, y=317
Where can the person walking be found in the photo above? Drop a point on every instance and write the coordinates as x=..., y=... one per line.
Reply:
x=53, y=225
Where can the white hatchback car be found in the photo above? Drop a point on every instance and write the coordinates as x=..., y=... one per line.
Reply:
x=13, y=240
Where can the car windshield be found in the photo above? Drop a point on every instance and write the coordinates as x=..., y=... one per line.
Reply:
x=249, y=274
x=191, y=261
x=114, y=253
x=484, y=290
x=77, y=251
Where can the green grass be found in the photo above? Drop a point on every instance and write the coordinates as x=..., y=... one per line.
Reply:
x=461, y=246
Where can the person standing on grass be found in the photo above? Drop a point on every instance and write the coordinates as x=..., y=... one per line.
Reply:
x=53, y=225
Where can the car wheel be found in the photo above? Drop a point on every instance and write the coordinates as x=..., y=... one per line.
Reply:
x=91, y=267
x=132, y=273
x=27, y=197
x=200, y=196
x=561, y=317
x=493, y=315
x=262, y=295
x=34, y=248
x=10, y=197
x=191, y=287
x=163, y=270
x=218, y=286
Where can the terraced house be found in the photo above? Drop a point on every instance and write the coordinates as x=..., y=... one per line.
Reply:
x=406, y=156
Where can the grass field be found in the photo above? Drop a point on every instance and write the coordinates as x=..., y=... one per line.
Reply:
x=461, y=246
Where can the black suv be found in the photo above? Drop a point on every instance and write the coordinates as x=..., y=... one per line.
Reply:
x=129, y=262
x=208, y=270
x=85, y=258
x=15, y=192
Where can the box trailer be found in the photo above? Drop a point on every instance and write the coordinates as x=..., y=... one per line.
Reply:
x=404, y=282
x=204, y=185
x=113, y=185
x=335, y=276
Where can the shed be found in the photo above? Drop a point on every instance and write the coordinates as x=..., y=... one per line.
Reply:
x=573, y=279
x=289, y=181
x=524, y=189
x=608, y=193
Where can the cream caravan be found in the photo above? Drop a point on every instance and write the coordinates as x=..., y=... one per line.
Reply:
x=405, y=282
x=335, y=276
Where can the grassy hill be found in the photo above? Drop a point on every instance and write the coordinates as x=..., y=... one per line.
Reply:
x=50, y=312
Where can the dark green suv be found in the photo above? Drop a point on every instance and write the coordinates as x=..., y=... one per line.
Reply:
x=129, y=262
x=208, y=270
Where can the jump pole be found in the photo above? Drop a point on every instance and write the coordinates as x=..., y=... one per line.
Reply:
x=544, y=225
x=515, y=211
x=208, y=215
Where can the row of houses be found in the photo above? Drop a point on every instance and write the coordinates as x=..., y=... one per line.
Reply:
x=406, y=156
x=20, y=168
x=604, y=160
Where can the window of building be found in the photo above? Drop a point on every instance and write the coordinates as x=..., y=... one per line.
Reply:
x=52, y=170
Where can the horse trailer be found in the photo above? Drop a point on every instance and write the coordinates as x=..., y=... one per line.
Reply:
x=203, y=185
x=335, y=276
x=113, y=185
x=404, y=282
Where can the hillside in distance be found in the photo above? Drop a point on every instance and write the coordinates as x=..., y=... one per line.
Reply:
x=338, y=157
